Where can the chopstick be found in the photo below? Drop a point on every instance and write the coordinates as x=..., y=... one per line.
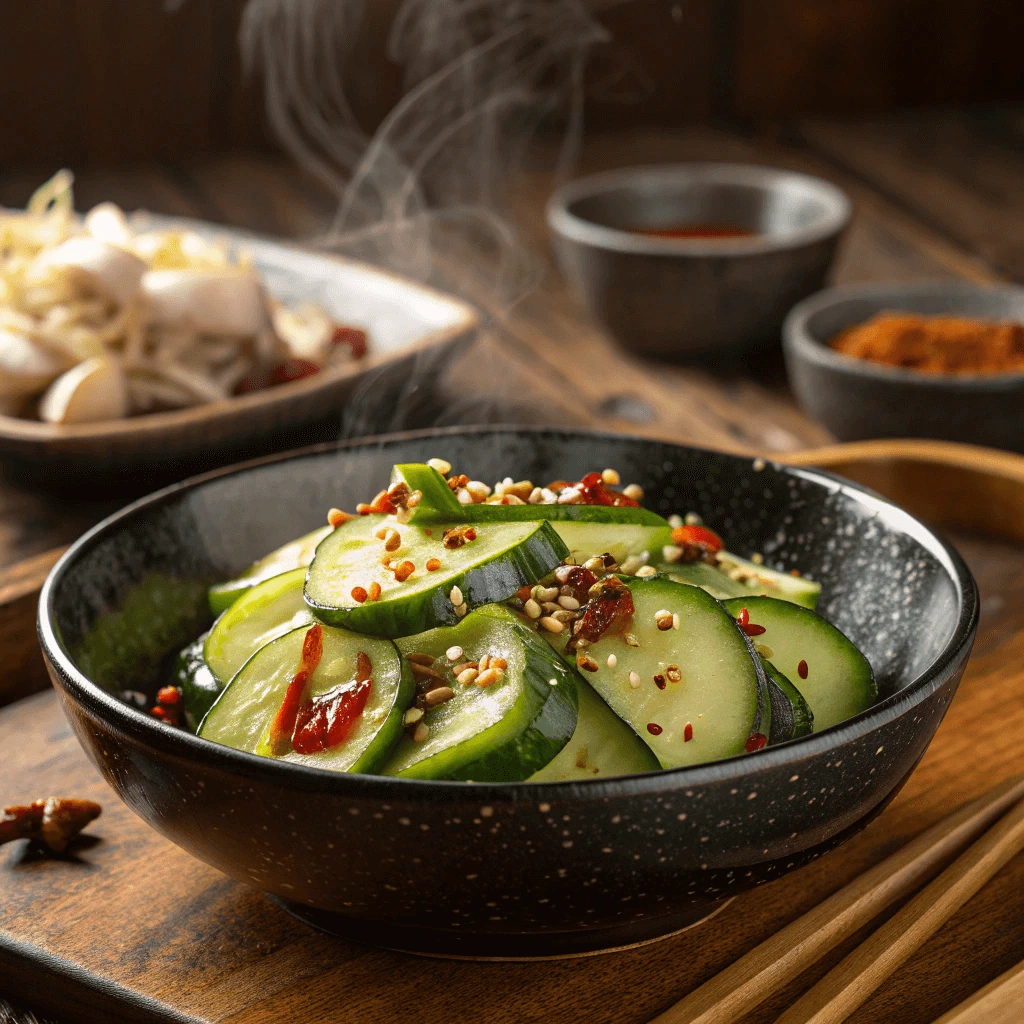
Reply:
x=999, y=1002
x=779, y=959
x=850, y=983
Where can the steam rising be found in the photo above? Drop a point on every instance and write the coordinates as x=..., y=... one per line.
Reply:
x=428, y=186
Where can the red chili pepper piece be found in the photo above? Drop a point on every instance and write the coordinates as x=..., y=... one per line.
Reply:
x=168, y=695
x=580, y=580
x=756, y=742
x=283, y=724
x=353, y=337
x=654, y=729
x=613, y=604
x=594, y=492
x=744, y=617
x=753, y=629
x=688, y=732
x=294, y=369
x=698, y=543
x=801, y=670
x=659, y=682
x=325, y=721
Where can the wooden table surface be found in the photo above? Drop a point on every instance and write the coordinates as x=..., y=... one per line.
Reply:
x=937, y=196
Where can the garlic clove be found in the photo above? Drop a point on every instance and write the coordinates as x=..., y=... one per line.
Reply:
x=210, y=302
x=25, y=368
x=108, y=268
x=87, y=393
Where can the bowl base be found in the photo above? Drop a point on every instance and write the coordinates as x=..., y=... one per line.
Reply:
x=447, y=945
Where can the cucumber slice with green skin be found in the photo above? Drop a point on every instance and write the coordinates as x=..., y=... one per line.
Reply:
x=242, y=715
x=503, y=558
x=836, y=681
x=296, y=554
x=707, y=577
x=439, y=504
x=620, y=540
x=723, y=692
x=765, y=582
x=504, y=732
x=267, y=611
x=602, y=746
x=199, y=686
x=791, y=714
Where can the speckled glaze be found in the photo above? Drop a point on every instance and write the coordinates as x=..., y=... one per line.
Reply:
x=520, y=869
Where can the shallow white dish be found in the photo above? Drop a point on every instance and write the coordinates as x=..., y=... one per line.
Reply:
x=406, y=323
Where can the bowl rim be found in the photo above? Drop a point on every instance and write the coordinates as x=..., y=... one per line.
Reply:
x=563, y=222
x=177, y=742
x=800, y=342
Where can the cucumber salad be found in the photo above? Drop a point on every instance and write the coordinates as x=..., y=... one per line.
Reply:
x=451, y=630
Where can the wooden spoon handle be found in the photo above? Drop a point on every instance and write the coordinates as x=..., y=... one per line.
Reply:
x=849, y=984
x=779, y=959
x=946, y=483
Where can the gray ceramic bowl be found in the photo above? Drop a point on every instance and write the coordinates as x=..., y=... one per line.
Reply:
x=677, y=297
x=857, y=399
x=513, y=869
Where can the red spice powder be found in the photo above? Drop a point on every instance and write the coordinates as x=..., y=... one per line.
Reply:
x=935, y=344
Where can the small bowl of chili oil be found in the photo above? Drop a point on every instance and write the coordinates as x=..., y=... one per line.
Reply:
x=911, y=369
x=676, y=260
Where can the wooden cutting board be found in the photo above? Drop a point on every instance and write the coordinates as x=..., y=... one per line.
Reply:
x=127, y=927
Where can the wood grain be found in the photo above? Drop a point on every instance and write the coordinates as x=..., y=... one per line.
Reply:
x=999, y=1002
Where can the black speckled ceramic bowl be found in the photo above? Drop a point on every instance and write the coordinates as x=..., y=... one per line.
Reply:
x=520, y=869
x=858, y=399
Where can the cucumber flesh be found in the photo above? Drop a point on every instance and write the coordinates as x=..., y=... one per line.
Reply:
x=242, y=715
x=296, y=554
x=762, y=581
x=707, y=577
x=791, y=714
x=587, y=539
x=439, y=504
x=602, y=746
x=836, y=679
x=267, y=611
x=490, y=568
x=504, y=732
x=722, y=693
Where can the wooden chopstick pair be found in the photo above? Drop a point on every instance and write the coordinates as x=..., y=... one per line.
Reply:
x=994, y=824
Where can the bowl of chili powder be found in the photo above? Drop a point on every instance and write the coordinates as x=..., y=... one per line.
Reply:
x=933, y=360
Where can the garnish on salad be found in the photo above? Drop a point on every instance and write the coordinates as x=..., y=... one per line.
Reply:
x=521, y=632
x=102, y=317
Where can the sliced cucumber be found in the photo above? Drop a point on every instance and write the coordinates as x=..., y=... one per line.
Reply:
x=791, y=714
x=602, y=746
x=242, y=715
x=722, y=692
x=199, y=686
x=707, y=577
x=827, y=669
x=267, y=611
x=504, y=732
x=620, y=540
x=439, y=504
x=502, y=558
x=296, y=554
x=765, y=582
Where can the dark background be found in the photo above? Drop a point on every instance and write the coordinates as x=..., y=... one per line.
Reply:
x=109, y=81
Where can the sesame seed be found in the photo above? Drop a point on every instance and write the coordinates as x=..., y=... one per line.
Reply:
x=630, y=565
x=570, y=604
x=433, y=564
x=610, y=477
x=757, y=558
x=359, y=594
x=634, y=492
x=663, y=619
x=441, y=465
x=631, y=640
x=404, y=570
x=421, y=733
x=438, y=696
x=585, y=661
x=420, y=659
x=646, y=571
x=463, y=496
x=671, y=553
x=634, y=680
x=455, y=596
x=413, y=715
x=612, y=661
x=393, y=540
x=490, y=677
x=335, y=517
x=532, y=609
x=536, y=497
x=551, y=625
x=692, y=519
x=675, y=521
x=453, y=653
x=675, y=620
x=373, y=594
x=499, y=663
x=467, y=676
x=460, y=610
x=484, y=663
x=764, y=650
